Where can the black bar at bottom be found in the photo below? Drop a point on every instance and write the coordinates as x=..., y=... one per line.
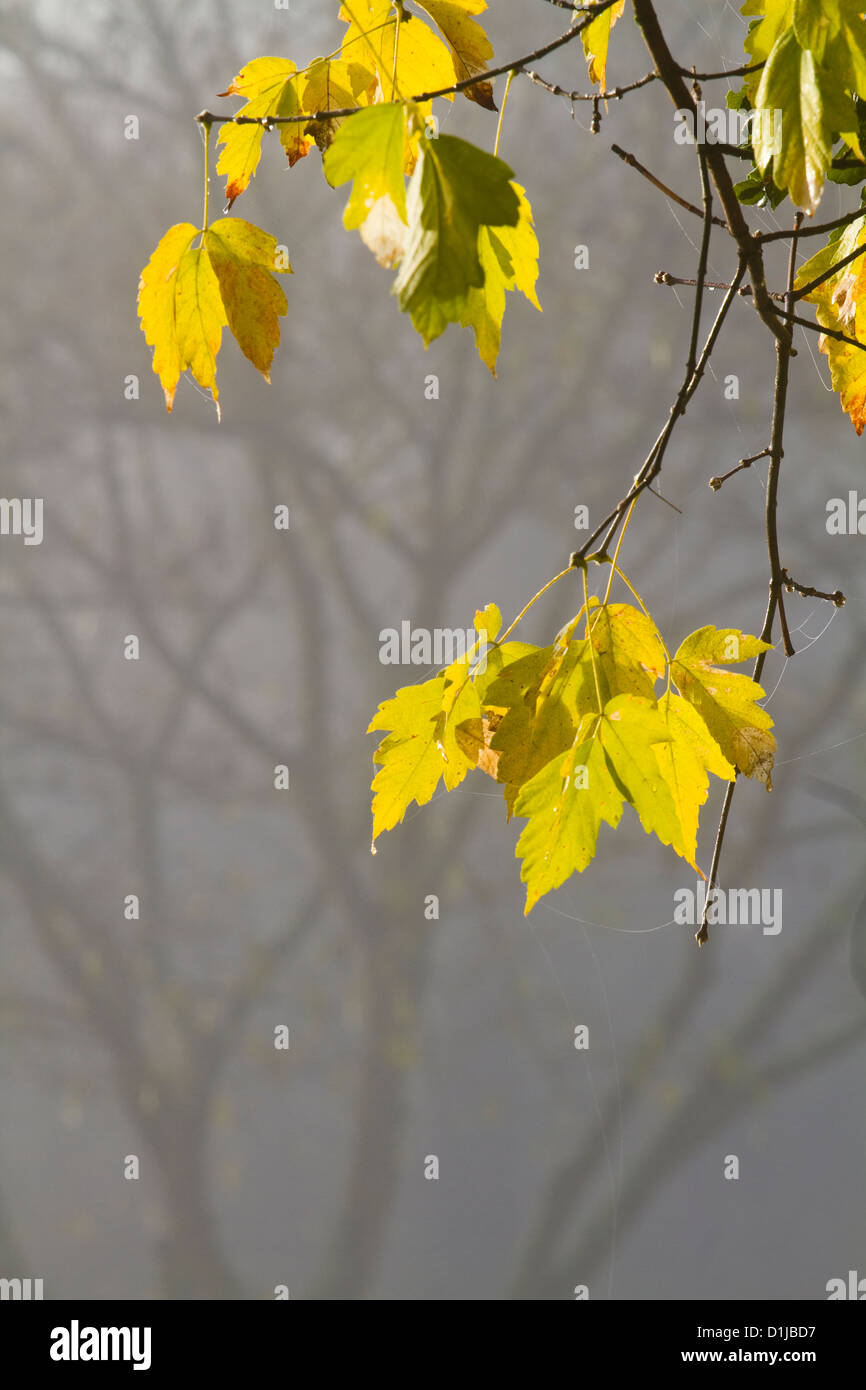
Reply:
x=155, y=1339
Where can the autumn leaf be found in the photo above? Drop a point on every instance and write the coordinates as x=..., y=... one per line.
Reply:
x=455, y=190
x=726, y=700
x=630, y=730
x=565, y=804
x=543, y=698
x=596, y=38
x=427, y=733
x=840, y=304
x=368, y=149
x=572, y=735
x=773, y=18
x=509, y=259
x=410, y=758
x=270, y=86
x=188, y=294
x=332, y=85
x=475, y=736
x=684, y=763
x=471, y=50
x=630, y=656
x=181, y=311
x=800, y=106
x=243, y=257
x=423, y=61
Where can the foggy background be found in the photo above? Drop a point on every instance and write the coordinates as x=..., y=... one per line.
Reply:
x=262, y=908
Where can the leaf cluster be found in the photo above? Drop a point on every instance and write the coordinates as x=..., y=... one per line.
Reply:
x=576, y=731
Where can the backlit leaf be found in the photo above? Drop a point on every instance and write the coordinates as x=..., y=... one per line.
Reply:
x=244, y=259
x=596, y=39
x=423, y=61
x=410, y=758
x=684, y=763
x=799, y=106
x=471, y=50
x=841, y=305
x=726, y=700
x=509, y=259
x=332, y=85
x=455, y=190
x=187, y=295
x=629, y=653
x=369, y=150
x=565, y=804
x=631, y=727
x=270, y=86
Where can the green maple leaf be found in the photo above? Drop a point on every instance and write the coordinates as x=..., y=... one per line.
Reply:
x=369, y=149
x=509, y=259
x=567, y=800
x=812, y=107
x=774, y=17
x=455, y=190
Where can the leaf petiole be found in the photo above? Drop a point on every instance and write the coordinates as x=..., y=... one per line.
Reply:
x=522, y=614
x=206, y=124
x=502, y=113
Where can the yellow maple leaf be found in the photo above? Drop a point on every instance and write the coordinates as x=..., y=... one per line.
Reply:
x=423, y=64
x=840, y=304
x=243, y=257
x=187, y=294
x=596, y=39
x=332, y=85
x=471, y=50
x=271, y=88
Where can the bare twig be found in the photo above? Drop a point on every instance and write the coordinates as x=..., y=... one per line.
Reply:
x=716, y=483
x=518, y=64
x=662, y=187
x=662, y=277
x=775, y=601
x=794, y=587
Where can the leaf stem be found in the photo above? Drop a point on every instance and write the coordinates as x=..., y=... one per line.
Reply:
x=206, y=124
x=396, y=48
x=613, y=566
x=589, y=640
x=627, y=582
x=522, y=614
x=502, y=112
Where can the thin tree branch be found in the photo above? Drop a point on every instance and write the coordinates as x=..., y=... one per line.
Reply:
x=662, y=277
x=652, y=464
x=835, y=333
x=774, y=601
x=662, y=187
x=615, y=94
x=728, y=72
x=517, y=64
x=750, y=249
x=793, y=586
x=828, y=274
x=716, y=483
x=818, y=229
